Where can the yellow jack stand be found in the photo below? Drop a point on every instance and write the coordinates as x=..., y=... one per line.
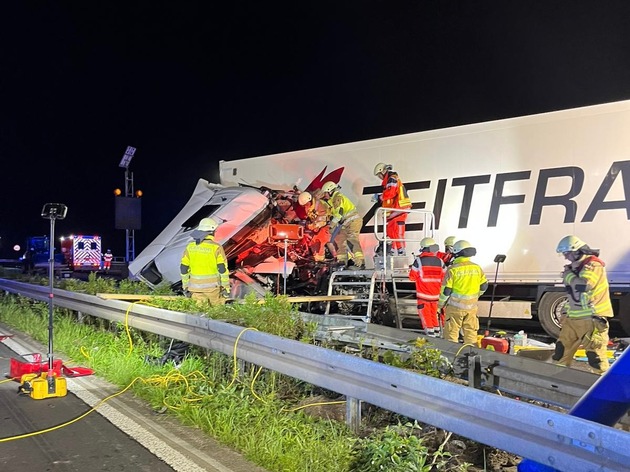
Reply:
x=44, y=385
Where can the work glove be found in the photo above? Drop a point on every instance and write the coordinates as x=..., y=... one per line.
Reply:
x=376, y=197
x=187, y=294
x=225, y=293
x=334, y=222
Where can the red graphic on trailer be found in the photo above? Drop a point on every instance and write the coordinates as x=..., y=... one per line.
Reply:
x=316, y=184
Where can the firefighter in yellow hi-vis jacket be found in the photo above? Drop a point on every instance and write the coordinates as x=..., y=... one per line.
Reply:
x=345, y=225
x=462, y=286
x=203, y=267
x=589, y=308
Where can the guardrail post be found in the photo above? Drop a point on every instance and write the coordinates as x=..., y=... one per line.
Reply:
x=474, y=371
x=353, y=414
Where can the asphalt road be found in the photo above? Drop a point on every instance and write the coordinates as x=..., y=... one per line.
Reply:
x=123, y=434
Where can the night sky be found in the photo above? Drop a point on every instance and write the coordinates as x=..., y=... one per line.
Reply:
x=190, y=83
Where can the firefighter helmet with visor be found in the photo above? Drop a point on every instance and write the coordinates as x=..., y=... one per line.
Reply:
x=329, y=187
x=570, y=243
x=427, y=242
x=304, y=198
x=381, y=168
x=208, y=224
x=449, y=241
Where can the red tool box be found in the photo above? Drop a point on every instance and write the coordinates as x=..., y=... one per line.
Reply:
x=496, y=344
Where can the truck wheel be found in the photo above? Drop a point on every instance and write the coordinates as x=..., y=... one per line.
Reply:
x=550, y=310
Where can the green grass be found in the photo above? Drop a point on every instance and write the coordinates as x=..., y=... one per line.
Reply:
x=252, y=410
x=198, y=392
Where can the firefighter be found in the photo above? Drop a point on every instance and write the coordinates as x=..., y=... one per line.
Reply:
x=447, y=255
x=394, y=196
x=203, y=266
x=107, y=260
x=462, y=286
x=427, y=271
x=345, y=225
x=317, y=217
x=28, y=261
x=589, y=307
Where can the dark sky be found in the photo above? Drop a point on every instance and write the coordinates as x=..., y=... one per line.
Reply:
x=190, y=83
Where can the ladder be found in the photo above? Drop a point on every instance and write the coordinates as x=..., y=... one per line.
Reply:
x=404, y=291
x=370, y=287
x=370, y=290
x=362, y=284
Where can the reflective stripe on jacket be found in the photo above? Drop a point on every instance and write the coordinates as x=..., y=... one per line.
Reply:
x=463, y=284
x=342, y=208
x=394, y=192
x=318, y=213
x=204, y=266
x=427, y=272
x=588, y=289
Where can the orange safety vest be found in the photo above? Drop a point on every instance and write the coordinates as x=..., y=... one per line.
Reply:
x=394, y=192
x=427, y=272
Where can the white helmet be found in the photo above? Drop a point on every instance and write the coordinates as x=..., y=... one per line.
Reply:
x=208, y=224
x=304, y=198
x=329, y=187
x=381, y=168
x=570, y=243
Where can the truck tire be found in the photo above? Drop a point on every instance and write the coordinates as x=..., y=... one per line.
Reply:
x=551, y=307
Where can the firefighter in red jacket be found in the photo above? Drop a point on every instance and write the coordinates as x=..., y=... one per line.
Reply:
x=427, y=271
x=394, y=196
x=107, y=260
x=447, y=255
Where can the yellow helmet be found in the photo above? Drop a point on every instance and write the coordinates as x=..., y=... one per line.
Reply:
x=449, y=241
x=463, y=245
x=427, y=242
x=329, y=187
x=304, y=198
x=208, y=224
x=570, y=243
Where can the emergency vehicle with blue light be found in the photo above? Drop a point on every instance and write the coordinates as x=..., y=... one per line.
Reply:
x=82, y=252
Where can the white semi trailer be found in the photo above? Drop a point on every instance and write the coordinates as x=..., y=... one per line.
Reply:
x=513, y=187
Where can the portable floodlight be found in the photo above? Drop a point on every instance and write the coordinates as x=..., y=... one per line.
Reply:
x=287, y=234
x=48, y=384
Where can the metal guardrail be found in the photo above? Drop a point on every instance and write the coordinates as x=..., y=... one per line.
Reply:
x=561, y=441
x=517, y=375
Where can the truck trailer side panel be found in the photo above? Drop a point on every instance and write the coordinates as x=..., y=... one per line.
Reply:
x=513, y=187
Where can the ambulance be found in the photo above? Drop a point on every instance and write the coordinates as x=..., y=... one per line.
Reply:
x=82, y=252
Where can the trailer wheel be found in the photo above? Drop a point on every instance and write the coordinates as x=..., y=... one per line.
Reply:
x=552, y=306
